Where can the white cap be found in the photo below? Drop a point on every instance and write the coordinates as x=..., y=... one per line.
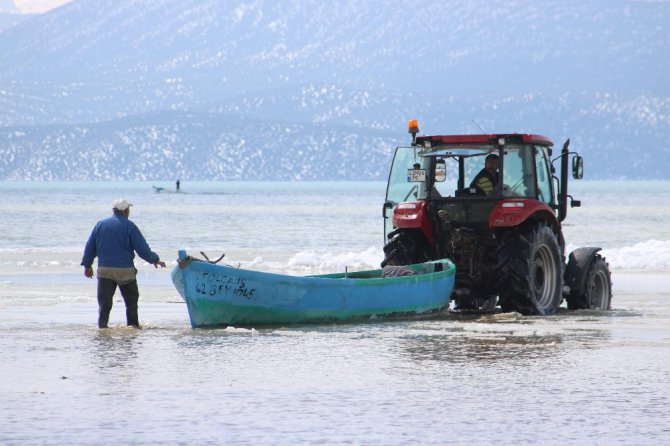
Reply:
x=121, y=204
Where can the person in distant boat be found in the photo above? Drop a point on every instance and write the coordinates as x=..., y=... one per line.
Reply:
x=487, y=178
x=114, y=241
x=178, y=184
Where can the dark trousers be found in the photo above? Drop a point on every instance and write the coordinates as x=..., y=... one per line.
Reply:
x=130, y=293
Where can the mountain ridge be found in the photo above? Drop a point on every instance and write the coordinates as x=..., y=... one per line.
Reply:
x=352, y=71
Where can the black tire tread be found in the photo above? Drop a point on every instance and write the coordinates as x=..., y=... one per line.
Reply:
x=406, y=248
x=514, y=267
x=583, y=301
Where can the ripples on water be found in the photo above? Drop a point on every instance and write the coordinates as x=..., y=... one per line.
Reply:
x=584, y=377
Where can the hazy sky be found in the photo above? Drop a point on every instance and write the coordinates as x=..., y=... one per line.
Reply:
x=36, y=6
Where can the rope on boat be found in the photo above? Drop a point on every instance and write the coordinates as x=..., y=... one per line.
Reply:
x=213, y=261
x=184, y=263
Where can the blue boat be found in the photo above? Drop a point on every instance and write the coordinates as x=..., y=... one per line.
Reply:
x=222, y=295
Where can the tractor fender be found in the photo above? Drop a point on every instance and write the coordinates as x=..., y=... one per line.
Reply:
x=513, y=212
x=578, y=267
x=413, y=215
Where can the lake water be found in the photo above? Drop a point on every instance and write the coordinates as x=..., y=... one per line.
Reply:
x=586, y=377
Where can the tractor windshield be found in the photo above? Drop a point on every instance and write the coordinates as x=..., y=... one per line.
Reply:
x=469, y=171
x=462, y=163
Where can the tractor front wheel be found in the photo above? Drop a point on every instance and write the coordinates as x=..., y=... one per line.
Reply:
x=529, y=268
x=597, y=293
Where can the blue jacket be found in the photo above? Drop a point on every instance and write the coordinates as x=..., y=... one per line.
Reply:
x=113, y=241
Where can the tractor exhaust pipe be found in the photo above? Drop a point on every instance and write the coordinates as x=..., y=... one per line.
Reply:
x=563, y=193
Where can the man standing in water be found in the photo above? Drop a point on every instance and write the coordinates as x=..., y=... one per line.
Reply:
x=114, y=240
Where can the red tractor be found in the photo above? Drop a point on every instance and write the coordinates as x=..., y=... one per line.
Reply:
x=493, y=204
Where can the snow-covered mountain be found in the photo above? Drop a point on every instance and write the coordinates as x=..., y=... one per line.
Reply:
x=7, y=20
x=307, y=89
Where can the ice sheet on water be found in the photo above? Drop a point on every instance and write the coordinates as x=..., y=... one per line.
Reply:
x=322, y=261
x=649, y=255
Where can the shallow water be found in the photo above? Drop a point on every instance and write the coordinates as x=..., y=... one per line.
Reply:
x=578, y=377
x=586, y=377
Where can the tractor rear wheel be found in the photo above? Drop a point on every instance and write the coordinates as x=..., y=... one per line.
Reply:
x=406, y=247
x=529, y=268
x=597, y=288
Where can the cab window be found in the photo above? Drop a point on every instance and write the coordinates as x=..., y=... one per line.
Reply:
x=543, y=166
x=519, y=172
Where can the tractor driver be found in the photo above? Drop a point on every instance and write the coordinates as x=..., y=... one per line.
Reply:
x=487, y=178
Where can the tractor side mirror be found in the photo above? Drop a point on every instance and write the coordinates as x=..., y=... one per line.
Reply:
x=577, y=167
x=440, y=171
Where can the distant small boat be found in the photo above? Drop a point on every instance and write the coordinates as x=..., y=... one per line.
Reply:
x=165, y=190
x=222, y=295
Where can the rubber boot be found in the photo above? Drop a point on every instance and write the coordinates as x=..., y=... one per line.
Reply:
x=106, y=289
x=131, y=295
x=132, y=318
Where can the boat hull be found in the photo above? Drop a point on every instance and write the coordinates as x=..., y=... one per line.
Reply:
x=220, y=295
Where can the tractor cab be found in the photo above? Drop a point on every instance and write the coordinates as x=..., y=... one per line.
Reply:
x=446, y=169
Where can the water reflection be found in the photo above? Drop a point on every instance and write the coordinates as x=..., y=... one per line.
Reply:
x=459, y=349
x=116, y=348
x=470, y=338
x=205, y=338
